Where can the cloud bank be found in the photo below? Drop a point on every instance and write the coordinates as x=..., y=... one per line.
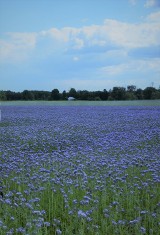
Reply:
x=109, y=49
x=111, y=34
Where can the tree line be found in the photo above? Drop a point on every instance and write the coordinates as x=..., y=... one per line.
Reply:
x=117, y=93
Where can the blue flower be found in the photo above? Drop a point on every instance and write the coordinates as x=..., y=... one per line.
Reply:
x=82, y=214
x=58, y=231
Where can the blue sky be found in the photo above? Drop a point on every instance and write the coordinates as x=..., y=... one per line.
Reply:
x=84, y=44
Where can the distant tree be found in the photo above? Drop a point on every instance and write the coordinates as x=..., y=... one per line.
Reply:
x=130, y=96
x=27, y=95
x=155, y=95
x=72, y=92
x=84, y=95
x=3, y=95
x=104, y=95
x=130, y=93
x=55, y=94
x=64, y=95
x=41, y=95
x=97, y=98
x=118, y=93
x=18, y=96
x=10, y=95
x=139, y=94
x=147, y=93
x=131, y=88
x=97, y=95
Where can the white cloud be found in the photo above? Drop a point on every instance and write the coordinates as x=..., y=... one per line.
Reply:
x=152, y=3
x=132, y=66
x=114, y=69
x=132, y=35
x=154, y=17
x=5, y=49
x=133, y=2
x=23, y=39
x=78, y=43
x=112, y=33
x=75, y=58
x=17, y=47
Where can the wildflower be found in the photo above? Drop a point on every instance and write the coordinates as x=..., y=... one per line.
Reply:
x=19, y=194
x=115, y=203
x=36, y=212
x=47, y=224
x=15, y=204
x=82, y=214
x=57, y=222
x=121, y=222
x=8, y=201
x=114, y=222
x=143, y=212
x=154, y=215
x=29, y=225
x=29, y=206
x=58, y=231
x=20, y=230
x=143, y=230
x=75, y=201
x=71, y=212
x=1, y=223
x=39, y=225
x=135, y=221
x=10, y=232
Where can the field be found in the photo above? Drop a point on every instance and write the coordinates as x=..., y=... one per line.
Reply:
x=80, y=168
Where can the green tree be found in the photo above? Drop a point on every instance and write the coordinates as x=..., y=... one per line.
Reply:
x=155, y=95
x=131, y=88
x=55, y=94
x=72, y=92
x=130, y=93
x=104, y=95
x=3, y=95
x=139, y=94
x=64, y=95
x=118, y=93
x=27, y=95
x=147, y=93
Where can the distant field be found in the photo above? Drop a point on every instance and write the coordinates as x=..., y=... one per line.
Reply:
x=81, y=168
x=85, y=103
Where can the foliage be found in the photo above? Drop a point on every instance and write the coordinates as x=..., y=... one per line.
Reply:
x=117, y=93
x=55, y=94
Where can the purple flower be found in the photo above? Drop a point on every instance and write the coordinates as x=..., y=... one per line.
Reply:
x=82, y=214
x=143, y=230
x=58, y=231
x=20, y=230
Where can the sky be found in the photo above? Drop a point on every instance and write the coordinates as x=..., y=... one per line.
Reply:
x=82, y=44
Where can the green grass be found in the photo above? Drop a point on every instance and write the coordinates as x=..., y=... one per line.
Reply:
x=115, y=208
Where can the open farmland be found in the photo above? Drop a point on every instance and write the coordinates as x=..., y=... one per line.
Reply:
x=83, y=170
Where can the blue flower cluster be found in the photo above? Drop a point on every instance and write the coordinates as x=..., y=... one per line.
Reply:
x=79, y=163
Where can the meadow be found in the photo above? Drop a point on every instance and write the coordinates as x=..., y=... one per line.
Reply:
x=80, y=168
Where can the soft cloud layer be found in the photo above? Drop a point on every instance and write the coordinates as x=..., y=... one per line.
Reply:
x=152, y=3
x=83, y=56
x=17, y=46
x=134, y=66
x=113, y=33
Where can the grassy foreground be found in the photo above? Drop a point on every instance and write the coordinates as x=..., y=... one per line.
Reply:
x=122, y=208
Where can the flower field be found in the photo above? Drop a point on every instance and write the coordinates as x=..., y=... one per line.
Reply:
x=79, y=170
